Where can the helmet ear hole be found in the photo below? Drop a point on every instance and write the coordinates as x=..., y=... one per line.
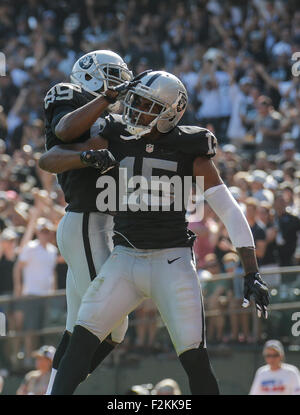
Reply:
x=87, y=77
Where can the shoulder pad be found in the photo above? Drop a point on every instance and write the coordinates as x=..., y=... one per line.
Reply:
x=191, y=129
x=203, y=139
x=61, y=93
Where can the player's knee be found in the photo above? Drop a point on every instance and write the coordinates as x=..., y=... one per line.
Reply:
x=61, y=348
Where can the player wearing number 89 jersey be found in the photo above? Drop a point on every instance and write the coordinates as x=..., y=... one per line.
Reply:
x=74, y=114
x=78, y=185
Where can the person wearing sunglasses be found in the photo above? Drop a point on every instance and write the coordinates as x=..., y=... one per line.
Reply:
x=276, y=377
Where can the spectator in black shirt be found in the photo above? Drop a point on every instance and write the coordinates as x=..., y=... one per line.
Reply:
x=265, y=216
x=287, y=226
x=258, y=233
x=266, y=222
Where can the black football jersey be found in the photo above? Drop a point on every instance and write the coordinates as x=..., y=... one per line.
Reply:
x=79, y=185
x=170, y=156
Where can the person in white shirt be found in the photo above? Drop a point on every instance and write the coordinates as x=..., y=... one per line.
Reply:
x=36, y=381
x=240, y=97
x=34, y=276
x=276, y=377
x=188, y=75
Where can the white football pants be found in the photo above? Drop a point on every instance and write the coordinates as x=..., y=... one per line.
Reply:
x=84, y=240
x=168, y=276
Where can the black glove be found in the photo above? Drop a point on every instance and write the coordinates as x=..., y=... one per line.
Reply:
x=125, y=86
x=254, y=285
x=99, y=159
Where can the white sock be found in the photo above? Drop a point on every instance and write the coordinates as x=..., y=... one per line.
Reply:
x=51, y=381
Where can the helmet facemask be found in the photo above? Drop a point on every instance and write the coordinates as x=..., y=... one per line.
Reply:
x=132, y=114
x=113, y=75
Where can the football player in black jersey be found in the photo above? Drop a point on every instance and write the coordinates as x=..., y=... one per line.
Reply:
x=73, y=113
x=152, y=255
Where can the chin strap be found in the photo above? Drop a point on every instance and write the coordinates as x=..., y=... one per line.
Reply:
x=130, y=137
x=138, y=132
x=136, y=135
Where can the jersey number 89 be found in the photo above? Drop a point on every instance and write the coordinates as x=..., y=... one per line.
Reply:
x=60, y=92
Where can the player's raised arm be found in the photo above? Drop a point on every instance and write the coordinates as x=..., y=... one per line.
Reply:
x=75, y=123
x=72, y=108
x=66, y=157
x=228, y=210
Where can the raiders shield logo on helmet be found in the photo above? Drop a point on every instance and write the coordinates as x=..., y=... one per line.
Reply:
x=149, y=148
x=86, y=62
x=181, y=103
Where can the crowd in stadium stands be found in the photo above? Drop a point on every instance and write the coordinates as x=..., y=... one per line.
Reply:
x=234, y=57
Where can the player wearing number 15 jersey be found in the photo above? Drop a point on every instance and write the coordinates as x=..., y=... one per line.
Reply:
x=152, y=256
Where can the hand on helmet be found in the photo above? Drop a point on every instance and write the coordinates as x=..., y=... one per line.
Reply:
x=118, y=92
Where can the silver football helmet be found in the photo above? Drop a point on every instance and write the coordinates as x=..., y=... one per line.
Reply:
x=98, y=70
x=166, y=93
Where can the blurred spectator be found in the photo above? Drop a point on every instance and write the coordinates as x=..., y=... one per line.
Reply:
x=215, y=298
x=241, y=181
x=287, y=226
x=258, y=233
x=206, y=231
x=166, y=387
x=257, y=181
x=240, y=98
x=288, y=152
x=210, y=267
x=292, y=113
x=209, y=98
x=289, y=198
x=276, y=377
x=36, y=381
x=239, y=318
x=265, y=219
x=3, y=124
x=223, y=245
x=268, y=126
x=34, y=277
